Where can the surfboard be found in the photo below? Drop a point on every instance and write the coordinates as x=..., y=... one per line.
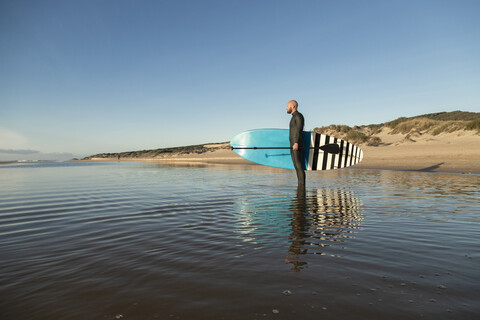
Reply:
x=271, y=147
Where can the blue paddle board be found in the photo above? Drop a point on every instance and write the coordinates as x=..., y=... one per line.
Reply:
x=267, y=140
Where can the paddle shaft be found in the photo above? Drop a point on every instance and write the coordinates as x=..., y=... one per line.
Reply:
x=330, y=148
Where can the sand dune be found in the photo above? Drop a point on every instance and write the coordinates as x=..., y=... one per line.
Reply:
x=447, y=152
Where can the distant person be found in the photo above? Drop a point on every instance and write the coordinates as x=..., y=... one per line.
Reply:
x=296, y=141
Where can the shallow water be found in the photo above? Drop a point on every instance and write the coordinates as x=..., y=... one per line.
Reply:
x=150, y=241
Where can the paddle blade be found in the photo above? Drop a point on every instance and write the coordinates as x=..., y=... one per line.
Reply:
x=331, y=148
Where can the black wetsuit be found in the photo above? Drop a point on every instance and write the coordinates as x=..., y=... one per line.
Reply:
x=296, y=129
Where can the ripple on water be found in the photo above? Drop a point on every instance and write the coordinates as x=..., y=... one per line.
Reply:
x=146, y=241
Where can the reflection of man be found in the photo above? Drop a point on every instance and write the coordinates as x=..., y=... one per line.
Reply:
x=326, y=218
x=299, y=229
x=296, y=141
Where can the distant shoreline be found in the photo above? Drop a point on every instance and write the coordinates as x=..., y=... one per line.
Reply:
x=26, y=161
x=7, y=162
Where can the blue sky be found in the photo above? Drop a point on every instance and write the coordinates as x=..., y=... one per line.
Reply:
x=84, y=77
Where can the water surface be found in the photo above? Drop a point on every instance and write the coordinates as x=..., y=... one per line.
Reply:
x=123, y=240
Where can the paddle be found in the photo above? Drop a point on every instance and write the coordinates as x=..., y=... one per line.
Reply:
x=330, y=148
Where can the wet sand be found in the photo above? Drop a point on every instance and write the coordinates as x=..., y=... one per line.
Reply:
x=457, y=152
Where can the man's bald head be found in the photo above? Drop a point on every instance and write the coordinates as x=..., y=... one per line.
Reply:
x=292, y=106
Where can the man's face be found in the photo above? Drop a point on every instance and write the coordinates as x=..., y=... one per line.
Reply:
x=289, y=108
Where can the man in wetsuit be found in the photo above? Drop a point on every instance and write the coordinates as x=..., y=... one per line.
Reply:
x=296, y=141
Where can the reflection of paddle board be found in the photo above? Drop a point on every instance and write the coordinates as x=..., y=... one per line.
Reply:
x=314, y=157
x=322, y=215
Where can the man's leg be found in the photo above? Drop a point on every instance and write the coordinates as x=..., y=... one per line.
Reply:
x=297, y=158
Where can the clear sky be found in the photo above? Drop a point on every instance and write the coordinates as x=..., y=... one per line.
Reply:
x=84, y=77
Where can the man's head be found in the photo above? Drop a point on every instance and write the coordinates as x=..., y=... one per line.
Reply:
x=292, y=106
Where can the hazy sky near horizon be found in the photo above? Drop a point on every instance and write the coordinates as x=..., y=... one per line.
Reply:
x=84, y=77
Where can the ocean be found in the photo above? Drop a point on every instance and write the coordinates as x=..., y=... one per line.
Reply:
x=139, y=240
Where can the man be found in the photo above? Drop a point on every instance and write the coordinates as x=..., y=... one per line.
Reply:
x=296, y=141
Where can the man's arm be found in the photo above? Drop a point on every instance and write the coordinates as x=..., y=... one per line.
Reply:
x=297, y=131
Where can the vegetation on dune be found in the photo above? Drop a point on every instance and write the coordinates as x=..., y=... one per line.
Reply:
x=452, y=116
x=433, y=123
x=473, y=125
x=355, y=135
x=433, y=127
x=455, y=119
x=156, y=153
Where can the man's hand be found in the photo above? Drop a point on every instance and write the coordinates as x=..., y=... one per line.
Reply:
x=295, y=147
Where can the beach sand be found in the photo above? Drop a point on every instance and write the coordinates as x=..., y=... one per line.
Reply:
x=457, y=152
x=447, y=152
